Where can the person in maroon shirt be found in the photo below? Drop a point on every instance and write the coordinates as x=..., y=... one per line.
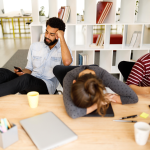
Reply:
x=139, y=77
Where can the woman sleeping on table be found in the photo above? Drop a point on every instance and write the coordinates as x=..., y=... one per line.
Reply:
x=83, y=91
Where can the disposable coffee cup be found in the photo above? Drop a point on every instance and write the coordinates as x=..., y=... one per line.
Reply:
x=33, y=98
x=141, y=132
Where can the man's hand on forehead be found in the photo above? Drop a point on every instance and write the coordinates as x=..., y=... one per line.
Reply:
x=59, y=34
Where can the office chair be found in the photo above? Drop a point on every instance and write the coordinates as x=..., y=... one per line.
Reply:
x=60, y=71
x=125, y=68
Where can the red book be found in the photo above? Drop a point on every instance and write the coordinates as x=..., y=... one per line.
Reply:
x=63, y=12
x=105, y=12
x=59, y=13
x=102, y=10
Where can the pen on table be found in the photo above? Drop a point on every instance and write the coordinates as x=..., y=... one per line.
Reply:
x=125, y=121
x=133, y=116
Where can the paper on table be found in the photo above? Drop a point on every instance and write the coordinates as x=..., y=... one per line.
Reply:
x=144, y=115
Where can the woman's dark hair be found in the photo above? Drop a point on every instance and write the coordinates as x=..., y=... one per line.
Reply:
x=87, y=90
x=55, y=22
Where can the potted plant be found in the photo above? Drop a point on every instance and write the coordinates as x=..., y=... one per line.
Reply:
x=136, y=10
x=42, y=14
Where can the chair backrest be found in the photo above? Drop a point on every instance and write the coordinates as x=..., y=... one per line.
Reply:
x=125, y=68
x=60, y=71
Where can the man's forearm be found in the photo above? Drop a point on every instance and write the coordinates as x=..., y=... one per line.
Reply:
x=66, y=56
x=140, y=90
x=27, y=71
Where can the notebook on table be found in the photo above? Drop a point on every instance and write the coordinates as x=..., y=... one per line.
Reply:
x=109, y=113
x=47, y=131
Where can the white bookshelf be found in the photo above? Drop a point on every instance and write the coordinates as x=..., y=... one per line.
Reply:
x=106, y=56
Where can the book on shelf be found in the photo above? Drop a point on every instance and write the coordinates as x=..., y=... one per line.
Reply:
x=64, y=13
x=136, y=39
x=98, y=38
x=61, y=12
x=80, y=60
x=83, y=59
x=103, y=9
x=99, y=42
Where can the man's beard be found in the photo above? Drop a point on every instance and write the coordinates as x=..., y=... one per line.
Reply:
x=51, y=42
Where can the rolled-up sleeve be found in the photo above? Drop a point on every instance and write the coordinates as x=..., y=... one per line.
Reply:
x=29, y=60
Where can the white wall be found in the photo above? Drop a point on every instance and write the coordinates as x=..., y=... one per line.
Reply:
x=1, y=6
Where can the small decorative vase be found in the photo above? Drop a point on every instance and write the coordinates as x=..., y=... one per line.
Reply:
x=42, y=18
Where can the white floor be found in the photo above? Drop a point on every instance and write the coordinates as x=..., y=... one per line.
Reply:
x=9, y=46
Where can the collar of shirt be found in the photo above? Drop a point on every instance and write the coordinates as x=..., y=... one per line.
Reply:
x=57, y=45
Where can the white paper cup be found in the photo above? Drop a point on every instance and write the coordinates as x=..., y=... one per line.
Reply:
x=33, y=98
x=141, y=132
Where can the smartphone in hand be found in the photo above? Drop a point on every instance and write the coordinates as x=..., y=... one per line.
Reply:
x=19, y=70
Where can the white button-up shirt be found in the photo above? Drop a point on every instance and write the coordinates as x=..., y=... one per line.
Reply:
x=42, y=60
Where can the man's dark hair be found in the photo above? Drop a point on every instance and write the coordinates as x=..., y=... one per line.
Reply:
x=55, y=22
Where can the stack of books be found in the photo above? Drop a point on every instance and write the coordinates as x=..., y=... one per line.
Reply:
x=83, y=59
x=103, y=9
x=99, y=42
x=64, y=13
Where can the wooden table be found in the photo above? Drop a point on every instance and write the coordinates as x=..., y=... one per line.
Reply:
x=93, y=133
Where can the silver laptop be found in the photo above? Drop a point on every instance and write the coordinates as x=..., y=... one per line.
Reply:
x=47, y=131
x=25, y=14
